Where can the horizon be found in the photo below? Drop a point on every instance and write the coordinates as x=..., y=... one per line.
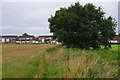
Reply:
x=27, y=33
x=32, y=17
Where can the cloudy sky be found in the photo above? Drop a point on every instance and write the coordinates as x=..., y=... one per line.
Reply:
x=32, y=17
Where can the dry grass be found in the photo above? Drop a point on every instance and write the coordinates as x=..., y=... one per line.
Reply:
x=21, y=60
x=51, y=61
x=75, y=63
x=15, y=51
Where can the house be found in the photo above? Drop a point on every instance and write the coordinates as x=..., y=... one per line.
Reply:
x=45, y=39
x=116, y=39
x=8, y=39
x=25, y=38
x=0, y=39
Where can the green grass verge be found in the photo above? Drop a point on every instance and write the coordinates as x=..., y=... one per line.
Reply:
x=61, y=62
x=77, y=63
x=21, y=68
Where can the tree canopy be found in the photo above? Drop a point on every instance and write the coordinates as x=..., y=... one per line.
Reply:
x=82, y=26
x=25, y=34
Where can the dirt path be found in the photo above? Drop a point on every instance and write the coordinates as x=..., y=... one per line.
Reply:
x=47, y=58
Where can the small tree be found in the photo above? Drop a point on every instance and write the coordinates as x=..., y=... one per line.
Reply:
x=82, y=26
x=25, y=34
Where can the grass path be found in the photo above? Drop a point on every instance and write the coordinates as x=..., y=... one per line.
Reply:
x=47, y=61
x=54, y=61
x=21, y=60
x=59, y=62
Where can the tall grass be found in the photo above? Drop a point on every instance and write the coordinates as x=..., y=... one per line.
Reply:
x=61, y=62
x=22, y=68
x=115, y=47
x=76, y=63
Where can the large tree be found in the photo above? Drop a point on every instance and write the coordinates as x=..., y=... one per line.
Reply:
x=82, y=26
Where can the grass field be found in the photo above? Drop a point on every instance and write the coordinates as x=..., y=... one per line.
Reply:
x=55, y=61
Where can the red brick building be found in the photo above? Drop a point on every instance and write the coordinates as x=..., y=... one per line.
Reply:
x=45, y=39
x=25, y=38
x=116, y=39
x=8, y=39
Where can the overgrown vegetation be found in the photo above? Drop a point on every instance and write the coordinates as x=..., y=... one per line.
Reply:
x=62, y=62
x=76, y=63
x=21, y=68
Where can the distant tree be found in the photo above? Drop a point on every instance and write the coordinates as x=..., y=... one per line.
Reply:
x=82, y=26
x=25, y=34
x=36, y=39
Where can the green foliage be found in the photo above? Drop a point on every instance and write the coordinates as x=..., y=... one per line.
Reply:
x=53, y=49
x=83, y=27
x=92, y=64
x=53, y=71
x=21, y=68
x=54, y=63
x=25, y=34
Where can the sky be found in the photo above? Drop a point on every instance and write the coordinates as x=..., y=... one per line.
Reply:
x=32, y=17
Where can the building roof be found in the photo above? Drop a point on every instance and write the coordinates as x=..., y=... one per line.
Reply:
x=9, y=36
x=27, y=36
x=117, y=37
x=45, y=36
